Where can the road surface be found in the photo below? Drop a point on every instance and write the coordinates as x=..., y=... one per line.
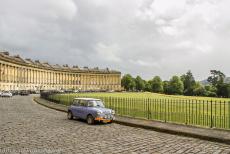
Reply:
x=26, y=127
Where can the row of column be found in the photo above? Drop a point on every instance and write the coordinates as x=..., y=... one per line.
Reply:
x=18, y=74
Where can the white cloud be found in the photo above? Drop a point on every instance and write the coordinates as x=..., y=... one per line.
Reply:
x=146, y=37
x=145, y=63
x=108, y=52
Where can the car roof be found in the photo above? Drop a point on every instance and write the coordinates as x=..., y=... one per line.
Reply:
x=87, y=99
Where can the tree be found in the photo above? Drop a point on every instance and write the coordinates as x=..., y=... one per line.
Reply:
x=175, y=86
x=128, y=82
x=217, y=81
x=157, y=85
x=217, y=77
x=210, y=91
x=189, y=83
x=147, y=86
x=199, y=90
x=223, y=90
x=140, y=84
x=166, y=87
x=210, y=88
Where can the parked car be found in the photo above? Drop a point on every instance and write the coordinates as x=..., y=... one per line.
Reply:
x=32, y=92
x=111, y=91
x=37, y=92
x=24, y=93
x=6, y=94
x=75, y=91
x=14, y=92
x=91, y=110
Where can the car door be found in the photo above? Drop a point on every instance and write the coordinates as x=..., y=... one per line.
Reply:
x=81, y=109
x=84, y=110
x=76, y=108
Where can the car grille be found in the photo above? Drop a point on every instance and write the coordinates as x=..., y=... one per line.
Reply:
x=108, y=116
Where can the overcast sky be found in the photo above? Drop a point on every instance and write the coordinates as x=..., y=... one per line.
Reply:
x=144, y=37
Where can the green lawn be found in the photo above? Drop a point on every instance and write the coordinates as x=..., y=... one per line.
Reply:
x=201, y=111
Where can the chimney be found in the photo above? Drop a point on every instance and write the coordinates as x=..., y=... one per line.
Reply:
x=17, y=56
x=5, y=53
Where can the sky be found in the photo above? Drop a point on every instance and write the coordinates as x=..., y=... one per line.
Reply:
x=140, y=37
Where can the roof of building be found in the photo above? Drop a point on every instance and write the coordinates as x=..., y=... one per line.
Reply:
x=87, y=99
x=4, y=55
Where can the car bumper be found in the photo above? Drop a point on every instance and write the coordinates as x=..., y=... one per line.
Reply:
x=6, y=96
x=101, y=119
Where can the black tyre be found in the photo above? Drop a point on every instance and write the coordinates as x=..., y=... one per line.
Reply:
x=69, y=115
x=90, y=119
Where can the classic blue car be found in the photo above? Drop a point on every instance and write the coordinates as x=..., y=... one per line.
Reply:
x=91, y=110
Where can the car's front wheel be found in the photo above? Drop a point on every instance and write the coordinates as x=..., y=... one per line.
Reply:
x=90, y=119
x=69, y=115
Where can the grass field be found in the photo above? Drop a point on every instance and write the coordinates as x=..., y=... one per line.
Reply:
x=200, y=111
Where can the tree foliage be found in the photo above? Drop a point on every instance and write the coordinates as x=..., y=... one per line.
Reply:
x=199, y=90
x=176, y=86
x=217, y=81
x=223, y=90
x=128, y=82
x=185, y=84
x=166, y=87
x=156, y=85
x=189, y=83
x=216, y=78
x=147, y=86
x=140, y=84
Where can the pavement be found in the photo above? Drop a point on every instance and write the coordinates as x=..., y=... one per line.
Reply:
x=27, y=127
x=210, y=134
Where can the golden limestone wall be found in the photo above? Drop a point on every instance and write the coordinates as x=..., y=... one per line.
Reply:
x=17, y=74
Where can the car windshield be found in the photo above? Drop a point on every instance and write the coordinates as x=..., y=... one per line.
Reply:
x=96, y=103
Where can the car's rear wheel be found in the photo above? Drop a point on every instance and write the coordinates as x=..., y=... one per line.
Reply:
x=69, y=115
x=90, y=119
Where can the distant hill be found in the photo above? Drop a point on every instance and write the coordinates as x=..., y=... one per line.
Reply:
x=205, y=82
x=227, y=80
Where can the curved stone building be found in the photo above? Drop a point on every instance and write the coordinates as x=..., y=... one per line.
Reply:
x=24, y=74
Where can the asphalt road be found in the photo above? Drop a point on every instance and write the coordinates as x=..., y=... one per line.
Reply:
x=26, y=127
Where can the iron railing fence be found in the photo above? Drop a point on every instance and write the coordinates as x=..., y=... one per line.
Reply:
x=213, y=114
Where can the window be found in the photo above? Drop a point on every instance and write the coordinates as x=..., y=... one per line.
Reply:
x=95, y=103
x=83, y=103
x=91, y=104
x=76, y=102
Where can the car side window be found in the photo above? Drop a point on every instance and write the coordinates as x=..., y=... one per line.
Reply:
x=90, y=104
x=83, y=103
x=76, y=102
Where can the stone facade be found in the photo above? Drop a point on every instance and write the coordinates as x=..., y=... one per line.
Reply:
x=24, y=74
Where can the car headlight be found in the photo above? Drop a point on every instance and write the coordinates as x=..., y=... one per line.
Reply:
x=113, y=112
x=99, y=112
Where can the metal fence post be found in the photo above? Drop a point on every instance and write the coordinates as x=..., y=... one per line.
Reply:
x=110, y=101
x=165, y=110
x=229, y=114
x=224, y=126
x=211, y=120
x=148, y=108
x=186, y=112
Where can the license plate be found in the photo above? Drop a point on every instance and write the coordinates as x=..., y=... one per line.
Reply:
x=106, y=121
